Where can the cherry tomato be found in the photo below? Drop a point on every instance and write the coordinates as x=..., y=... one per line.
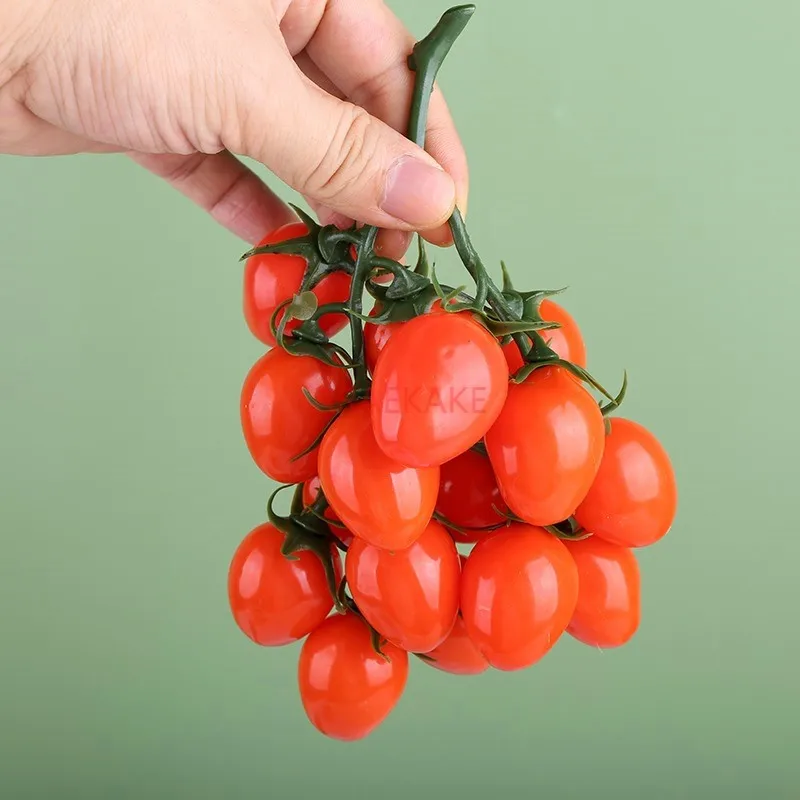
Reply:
x=347, y=689
x=272, y=278
x=546, y=446
x=566, y=341
x=518, y=592
x=439, y=385
x=275, y=600
x=277, y=419
x=410, y=596
x=607, y=613
x=385, y=503
x=467, y=493
x=376, y=336
x=634, y=498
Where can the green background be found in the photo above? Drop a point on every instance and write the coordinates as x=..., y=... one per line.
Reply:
x=645, y=154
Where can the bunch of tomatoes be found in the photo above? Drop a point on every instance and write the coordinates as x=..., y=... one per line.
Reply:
x=460, y=495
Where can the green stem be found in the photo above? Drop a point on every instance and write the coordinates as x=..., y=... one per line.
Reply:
x=360, y=274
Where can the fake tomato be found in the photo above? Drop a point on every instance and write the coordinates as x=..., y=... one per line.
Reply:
x=272, y=278
x=277, y=419
x=634, y=498
x=347, y=689
x=439, y=385
x=546, y=446
x=519, y=588
x=566, y=341
x=468, y=496
x=378, y=499
x=608, y=609
x=410, y=596
x=274, y=600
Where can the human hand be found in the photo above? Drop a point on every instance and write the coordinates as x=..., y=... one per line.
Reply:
x=317, y=90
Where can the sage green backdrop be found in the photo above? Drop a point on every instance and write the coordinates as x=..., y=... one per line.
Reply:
x=645, y=154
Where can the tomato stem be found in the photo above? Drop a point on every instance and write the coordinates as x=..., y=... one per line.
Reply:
x=363, y=267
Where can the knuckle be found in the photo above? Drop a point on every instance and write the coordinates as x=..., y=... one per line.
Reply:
x=348, y=158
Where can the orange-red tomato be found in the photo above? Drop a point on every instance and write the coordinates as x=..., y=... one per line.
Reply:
x=378, y=499
x=608, y=609
x=410, y=596
x=272, y=278
x=566, y=341
x=275, y=600
x=546, y=446
x=468, y=496
x=458, y=654
x=634, y=498
x=347, y=689
x=439, y=385
x=519, y=588
x=376, y=336
x=278, y=421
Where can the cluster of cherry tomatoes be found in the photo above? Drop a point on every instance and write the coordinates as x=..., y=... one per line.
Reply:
x=454, y=510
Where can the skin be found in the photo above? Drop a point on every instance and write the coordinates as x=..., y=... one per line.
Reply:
x=410, y=596
x=275, y=600
x=278, y=421
x=439, y=385
x=347, y=689
x=316, y=90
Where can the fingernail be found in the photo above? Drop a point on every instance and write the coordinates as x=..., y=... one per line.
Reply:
x=418, y=193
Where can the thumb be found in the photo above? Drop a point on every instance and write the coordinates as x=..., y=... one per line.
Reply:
x=337, y=155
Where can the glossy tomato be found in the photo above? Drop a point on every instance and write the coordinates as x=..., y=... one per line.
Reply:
x=566, y=341
x=277, y=419
x=519, y=588
x=347, y=689
x=376, y=336
x=439, y=385
x=634, y=498
x=275, y=600
x=608, y=609
x=385, y=503
x=468, y=496
x=272, y=278
x=411, y=596
x=546, y=446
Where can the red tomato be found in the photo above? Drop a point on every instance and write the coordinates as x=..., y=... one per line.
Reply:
x=439, y=385
x=607, y=613
x=410, y=596
x=385, y=503
x=467, y=493
x=518, y=592
x=346, y=688
x=272, y=278
x=458, y=654
x=376, y=336
x=277, y=419
x=566, y=341
x=275, y=600
x=546, y=446
x=634, y=498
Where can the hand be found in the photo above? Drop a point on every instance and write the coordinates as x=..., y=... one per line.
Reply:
x=316, y=90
